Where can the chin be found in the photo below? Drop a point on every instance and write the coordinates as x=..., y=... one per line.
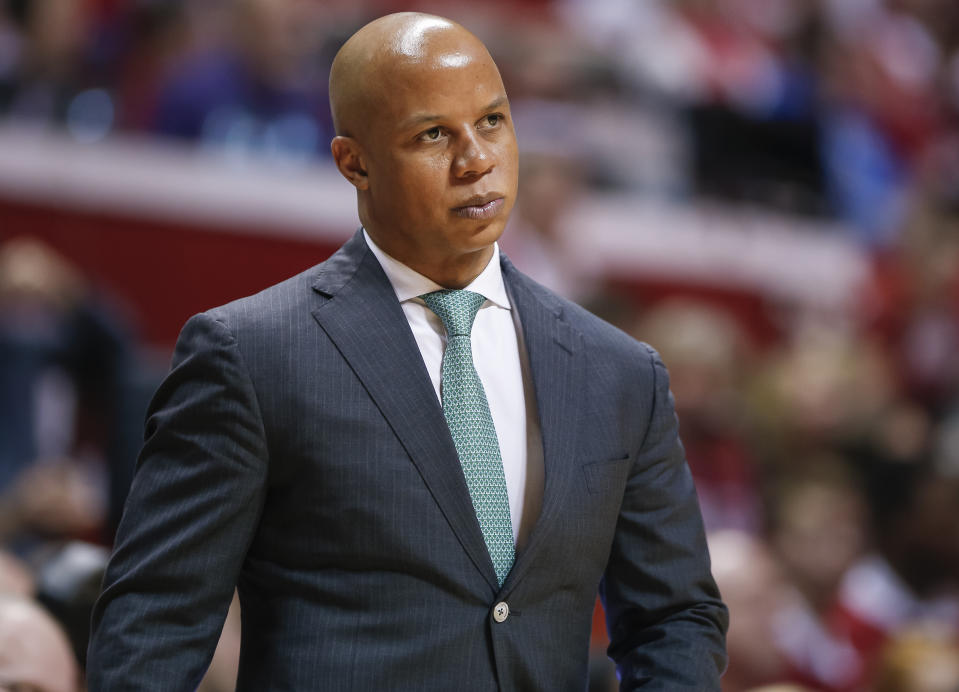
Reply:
x=487, y=232
x=481, y=239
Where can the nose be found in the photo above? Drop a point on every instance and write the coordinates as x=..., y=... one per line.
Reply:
x=474, y=158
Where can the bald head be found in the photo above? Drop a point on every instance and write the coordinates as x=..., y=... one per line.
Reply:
x=34, y=651
x=379, y=58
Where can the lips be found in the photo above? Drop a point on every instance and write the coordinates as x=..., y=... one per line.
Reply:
x=480, y=206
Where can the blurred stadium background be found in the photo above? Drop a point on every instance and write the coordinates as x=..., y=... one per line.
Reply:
x=765, y=190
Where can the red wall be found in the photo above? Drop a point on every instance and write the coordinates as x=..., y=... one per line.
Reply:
x=164, y=271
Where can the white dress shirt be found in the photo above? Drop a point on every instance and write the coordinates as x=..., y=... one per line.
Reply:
x=501, y=361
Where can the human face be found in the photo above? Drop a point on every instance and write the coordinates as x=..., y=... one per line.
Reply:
x=441, y=163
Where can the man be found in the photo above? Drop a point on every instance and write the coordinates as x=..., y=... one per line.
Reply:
x=396, y=516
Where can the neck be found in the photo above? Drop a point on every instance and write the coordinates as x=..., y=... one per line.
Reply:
x=458, y=271
x=455, y=274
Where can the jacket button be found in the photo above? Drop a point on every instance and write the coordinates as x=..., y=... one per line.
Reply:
x=500, y=611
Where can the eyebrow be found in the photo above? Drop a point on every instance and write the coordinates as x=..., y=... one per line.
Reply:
x=423, y=118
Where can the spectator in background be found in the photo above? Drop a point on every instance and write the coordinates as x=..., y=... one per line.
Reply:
x=824, y=387
x=920, y=660
x=34, y=653
x=817, y=530
x=260, y=90
x=68, y=436
x=705, y=349
x=49, y=59
x=549, y=183
x=881, y=108
x=917, y=311
x=913, y=575
x=755, y=591
x=138, y=42
x=88, y=67
x=66, y=422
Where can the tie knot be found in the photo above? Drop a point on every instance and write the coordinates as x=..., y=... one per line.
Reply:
x=456, y=308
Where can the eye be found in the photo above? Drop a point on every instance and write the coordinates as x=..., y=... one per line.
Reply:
x=431, y=135
x=492, y=120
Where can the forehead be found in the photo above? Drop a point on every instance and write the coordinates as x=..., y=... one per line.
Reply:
x=448, y=80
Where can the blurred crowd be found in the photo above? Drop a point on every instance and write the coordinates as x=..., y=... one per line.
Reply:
x=832, y=108
x=826, y=459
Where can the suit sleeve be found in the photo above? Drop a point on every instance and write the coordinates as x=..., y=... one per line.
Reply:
x=665, y=618
x=189, y=519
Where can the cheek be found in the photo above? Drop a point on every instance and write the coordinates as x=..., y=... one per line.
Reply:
x=509, y=162
x=403, y=190
x=422, y=179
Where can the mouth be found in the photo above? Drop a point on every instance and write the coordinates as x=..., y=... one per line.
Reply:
x=481, y=206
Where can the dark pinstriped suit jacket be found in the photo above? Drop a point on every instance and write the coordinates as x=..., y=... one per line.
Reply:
x=298, y=451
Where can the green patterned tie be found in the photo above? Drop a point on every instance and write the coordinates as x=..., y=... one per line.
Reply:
x=471, y=425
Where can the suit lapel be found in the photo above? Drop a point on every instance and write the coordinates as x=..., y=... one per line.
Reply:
x=361, y=315
x=556, y=361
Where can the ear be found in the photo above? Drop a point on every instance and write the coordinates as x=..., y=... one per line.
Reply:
x=349, y=161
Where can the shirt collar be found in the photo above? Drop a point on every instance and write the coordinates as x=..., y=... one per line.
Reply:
x=409, y=284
